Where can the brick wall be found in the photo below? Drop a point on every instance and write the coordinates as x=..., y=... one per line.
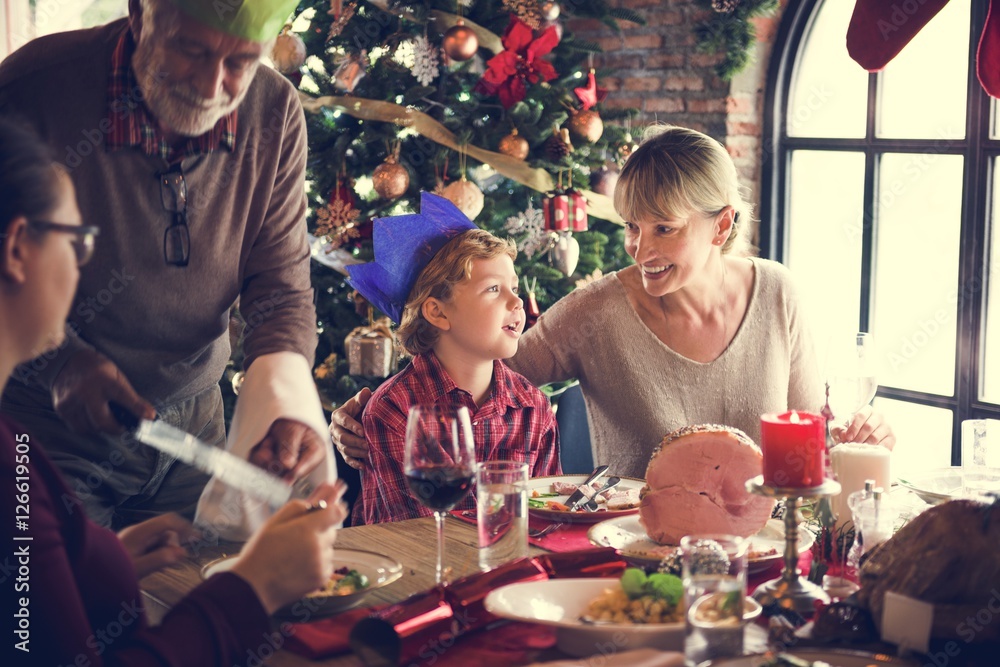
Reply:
x=657, y=69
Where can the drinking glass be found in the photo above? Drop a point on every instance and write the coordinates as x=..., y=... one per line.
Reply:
x=714, y=574
x=439, y=461
x=501, y=512
x=980, y=457
x=850, y=375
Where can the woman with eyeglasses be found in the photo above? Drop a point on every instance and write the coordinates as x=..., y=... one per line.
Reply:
x=69, y=588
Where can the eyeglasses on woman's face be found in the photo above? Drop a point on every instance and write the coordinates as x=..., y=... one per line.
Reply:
x=82, y=241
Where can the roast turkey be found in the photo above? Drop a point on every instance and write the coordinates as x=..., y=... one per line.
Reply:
x=696, y=484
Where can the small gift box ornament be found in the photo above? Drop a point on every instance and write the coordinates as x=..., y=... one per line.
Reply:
x=555, y=209
x=371, y=350
x=577, y=210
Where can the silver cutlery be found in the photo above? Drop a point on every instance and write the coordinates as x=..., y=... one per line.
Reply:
x=579, y=496
x=544, y=531
x=611, y=483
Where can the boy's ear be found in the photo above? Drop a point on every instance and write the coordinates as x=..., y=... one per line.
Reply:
x=13, y=255
x=433, y=311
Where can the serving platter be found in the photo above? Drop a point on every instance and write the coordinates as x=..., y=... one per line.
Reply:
x=544, y=485
x=628, y=536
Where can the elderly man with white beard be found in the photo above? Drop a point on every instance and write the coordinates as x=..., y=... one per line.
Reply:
x=191, y=157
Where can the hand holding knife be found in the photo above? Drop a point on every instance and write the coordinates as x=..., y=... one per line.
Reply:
x=223, y=465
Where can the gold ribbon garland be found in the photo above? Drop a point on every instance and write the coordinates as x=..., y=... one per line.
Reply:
x=598, y=205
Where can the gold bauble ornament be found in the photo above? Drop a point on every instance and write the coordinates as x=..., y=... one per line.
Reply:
x=460, y=41
x=586, y=125
x=390, y=179
x=289, y=52
x=550, y=11
x=514, y=145
x=466, y=195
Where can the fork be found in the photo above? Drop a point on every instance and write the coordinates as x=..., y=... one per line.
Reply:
x=544, y=531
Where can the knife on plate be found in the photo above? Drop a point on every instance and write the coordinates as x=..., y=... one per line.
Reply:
x=578, y=497
x=227, y=467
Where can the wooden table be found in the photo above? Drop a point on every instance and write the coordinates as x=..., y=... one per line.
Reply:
x=413, y=543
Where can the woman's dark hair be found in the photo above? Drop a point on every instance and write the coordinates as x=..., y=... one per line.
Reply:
x=28, y=182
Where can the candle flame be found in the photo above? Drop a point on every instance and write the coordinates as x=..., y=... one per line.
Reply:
x=794, y=418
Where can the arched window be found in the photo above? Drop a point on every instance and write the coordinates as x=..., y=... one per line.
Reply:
x=877, y=193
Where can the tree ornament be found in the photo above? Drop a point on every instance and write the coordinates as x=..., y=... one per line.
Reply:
x=586, y=125
x=530, y=226
x=390, y=179
x=725, y=6
x=460, y=41
x=709, y=557
x=565, y=253
x=350, y=70
x=467, y=196
x=341, y=14
x=558, y=146
x=590, y=94
x=525, y=10
x=426, y=65
x=520, y=61
x=671, y=563
x=604, y=180
x=514, y=145
x=550, y=11
x=289, y=51
x=627, y=147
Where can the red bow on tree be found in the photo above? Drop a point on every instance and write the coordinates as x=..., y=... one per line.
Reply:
x=520, y=61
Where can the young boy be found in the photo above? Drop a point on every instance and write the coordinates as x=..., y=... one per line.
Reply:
x=452, y=289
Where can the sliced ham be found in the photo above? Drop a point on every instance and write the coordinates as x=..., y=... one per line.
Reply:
x=563, y=488
x=696, y=484
x=623, y=500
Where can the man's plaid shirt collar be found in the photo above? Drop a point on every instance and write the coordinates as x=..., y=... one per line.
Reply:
x=132, y=124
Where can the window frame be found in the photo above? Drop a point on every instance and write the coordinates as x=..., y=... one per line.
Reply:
x=980, y=153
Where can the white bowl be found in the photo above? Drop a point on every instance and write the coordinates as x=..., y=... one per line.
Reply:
x=560, y=603
x=380, y=570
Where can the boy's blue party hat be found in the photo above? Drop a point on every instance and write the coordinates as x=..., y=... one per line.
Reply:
x=404, y=244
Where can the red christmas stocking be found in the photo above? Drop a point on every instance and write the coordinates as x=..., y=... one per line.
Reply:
x=988, y=55
x=879, y=29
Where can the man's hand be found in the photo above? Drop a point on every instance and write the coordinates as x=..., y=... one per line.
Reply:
x=156, y=543
x=347, y=432
x=290, y=450
x=866, y=426
x=84, y=387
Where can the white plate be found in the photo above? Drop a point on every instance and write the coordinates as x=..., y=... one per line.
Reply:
x=836, y=658
x=628, y=536
x=941, y=484
x=560, y=603
x=544, y=485
x=380, y=570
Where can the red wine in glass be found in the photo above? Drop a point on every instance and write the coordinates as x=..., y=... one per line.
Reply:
x=439, y=487
x=439, y=461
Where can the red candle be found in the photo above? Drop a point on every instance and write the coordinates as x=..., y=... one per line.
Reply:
x=794, y=446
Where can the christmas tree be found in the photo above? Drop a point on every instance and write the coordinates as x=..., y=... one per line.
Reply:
x=492, y=104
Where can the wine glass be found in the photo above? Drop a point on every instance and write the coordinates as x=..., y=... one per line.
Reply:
x=850, y=375
x=439, y=461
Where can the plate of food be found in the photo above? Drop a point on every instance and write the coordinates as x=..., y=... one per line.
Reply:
x=589, y=614
x=547, y=497
x=628, y=536
x=813, y=657
x=939, y=485
x=357, y=574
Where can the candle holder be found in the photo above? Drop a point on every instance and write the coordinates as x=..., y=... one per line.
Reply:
x=791, y=590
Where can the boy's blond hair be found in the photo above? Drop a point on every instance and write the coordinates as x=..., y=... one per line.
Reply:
x=451, y=265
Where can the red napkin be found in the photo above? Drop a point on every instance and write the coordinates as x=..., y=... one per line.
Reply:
x=567, y=537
